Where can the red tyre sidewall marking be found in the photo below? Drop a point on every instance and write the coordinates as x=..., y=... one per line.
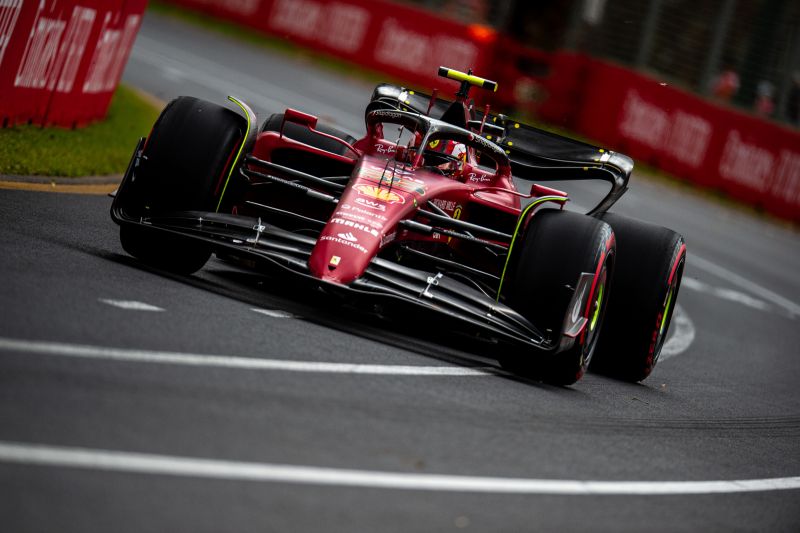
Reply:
x=587, y=311
x=673, y=271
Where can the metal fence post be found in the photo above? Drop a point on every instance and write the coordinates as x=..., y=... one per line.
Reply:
x=648, y=33
x=711, y=68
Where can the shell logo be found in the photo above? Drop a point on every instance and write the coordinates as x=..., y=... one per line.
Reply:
x=384, y=195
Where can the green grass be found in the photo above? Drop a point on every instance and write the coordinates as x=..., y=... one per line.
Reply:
x=99, y=149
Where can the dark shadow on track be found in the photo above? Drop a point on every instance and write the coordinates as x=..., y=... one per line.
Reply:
x=416, y=332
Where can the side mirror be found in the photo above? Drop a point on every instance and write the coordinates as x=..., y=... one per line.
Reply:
x=298, y=117
x=540, y=190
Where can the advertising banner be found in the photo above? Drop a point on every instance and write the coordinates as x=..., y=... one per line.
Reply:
x=61, y=60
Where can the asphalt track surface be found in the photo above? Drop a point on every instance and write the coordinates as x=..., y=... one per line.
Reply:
x=134, y=400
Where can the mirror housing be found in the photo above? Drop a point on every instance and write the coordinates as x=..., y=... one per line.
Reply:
x=298, y=117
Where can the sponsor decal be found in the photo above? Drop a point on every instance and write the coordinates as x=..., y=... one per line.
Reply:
x=335, y=260
x=338, y=25
x=110, y=54
x=384, y=113
x=786, y=182
x=351, y=210
x=348, y=237
x=683, y=136
x=689, y=138
x=339, y=240
x=349, y=215
x=402, y=45
x=384, y=195
x=746, y=163
x=478, y=178
x=644, y=122
x=9, y=12
x=396, y=177
x=355, y=225
x=372, y=205
x=447, y=205
x=383, y=149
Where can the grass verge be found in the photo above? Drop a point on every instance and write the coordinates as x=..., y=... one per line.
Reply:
x=99, y=149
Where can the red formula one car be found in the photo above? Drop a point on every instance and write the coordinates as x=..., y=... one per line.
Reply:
x=422, y=210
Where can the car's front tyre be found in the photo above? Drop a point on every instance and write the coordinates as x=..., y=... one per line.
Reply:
x=185, y=166
x=561, y=254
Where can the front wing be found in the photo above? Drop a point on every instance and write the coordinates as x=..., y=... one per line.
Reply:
x=283, y=252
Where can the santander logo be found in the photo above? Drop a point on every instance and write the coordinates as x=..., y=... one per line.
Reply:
x=348, y=237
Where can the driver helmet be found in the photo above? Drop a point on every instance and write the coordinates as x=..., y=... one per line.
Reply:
x=453, y=148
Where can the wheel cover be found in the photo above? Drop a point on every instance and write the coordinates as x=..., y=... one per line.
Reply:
x=596, y=315
x=665, y=317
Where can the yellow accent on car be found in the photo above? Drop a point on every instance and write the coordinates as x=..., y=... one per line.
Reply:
x=239, y=153
x=522, y=216
x=469, y=78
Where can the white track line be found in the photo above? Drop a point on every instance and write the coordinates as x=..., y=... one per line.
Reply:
x=736, y=279
x=143, y=463
x=130, y=305
x=274, y=313
x=725, y=294
x=683, y=335
x=250, y=363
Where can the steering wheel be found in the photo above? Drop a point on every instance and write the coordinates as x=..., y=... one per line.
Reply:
x=440, y=158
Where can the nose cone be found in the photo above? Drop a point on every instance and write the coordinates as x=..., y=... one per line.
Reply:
x=344, y=250
x=354, y=233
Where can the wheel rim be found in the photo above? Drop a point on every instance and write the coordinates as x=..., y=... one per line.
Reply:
x=665, y=317
x=596, y=315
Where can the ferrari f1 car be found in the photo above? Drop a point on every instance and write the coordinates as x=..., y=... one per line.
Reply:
x=422, y=210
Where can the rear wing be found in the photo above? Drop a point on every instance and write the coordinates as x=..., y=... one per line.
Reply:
x=535, y=154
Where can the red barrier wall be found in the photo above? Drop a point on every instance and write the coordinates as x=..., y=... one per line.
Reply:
x=750, y=158
x=61, y=60
x=400, y=40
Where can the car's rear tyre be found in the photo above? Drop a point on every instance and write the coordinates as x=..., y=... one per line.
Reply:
x=556, y=250
x=185, y=166
x=647, y=277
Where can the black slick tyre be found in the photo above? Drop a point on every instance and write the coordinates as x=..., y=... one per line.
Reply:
x=647, y=278
x=185, y=166
x=560, y=253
